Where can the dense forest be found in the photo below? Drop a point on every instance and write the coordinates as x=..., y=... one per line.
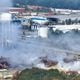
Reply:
x=71, y=4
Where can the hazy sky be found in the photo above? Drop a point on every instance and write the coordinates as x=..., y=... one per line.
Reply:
x=5, y=3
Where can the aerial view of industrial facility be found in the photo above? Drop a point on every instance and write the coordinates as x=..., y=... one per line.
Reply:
x=39, y=40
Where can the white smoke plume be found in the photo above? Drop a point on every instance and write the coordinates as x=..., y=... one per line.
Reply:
x=24, y=51
x=5, y=4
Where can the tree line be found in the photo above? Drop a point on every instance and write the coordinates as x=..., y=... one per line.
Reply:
x=69, y=4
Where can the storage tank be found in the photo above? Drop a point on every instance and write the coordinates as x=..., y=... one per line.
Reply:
x=43, y=32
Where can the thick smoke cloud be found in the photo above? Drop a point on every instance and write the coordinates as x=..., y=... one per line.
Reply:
x=4, y=4
x=23, y=48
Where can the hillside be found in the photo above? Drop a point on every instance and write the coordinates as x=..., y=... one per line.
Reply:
x=40, y=74
x=50, y=3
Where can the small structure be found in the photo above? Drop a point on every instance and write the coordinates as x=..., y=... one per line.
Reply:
x=16, y=10
x=26, y=23
x=53, y=20
x=8, y=74
x=47, y=62
x=4, y=64
x=69, y=60
x=71, y=72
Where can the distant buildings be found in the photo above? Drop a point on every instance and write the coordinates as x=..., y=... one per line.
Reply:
x=16, y=10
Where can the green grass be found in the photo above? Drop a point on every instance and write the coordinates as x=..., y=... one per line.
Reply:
x=40, y=74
